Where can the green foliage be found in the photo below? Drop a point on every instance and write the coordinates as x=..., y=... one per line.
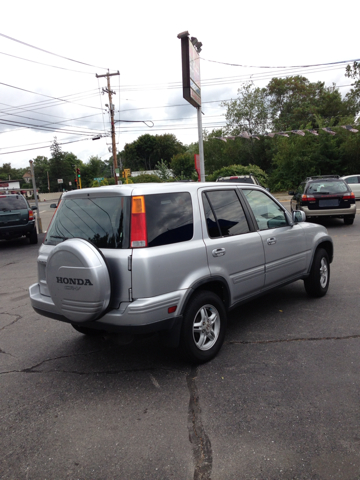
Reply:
x=164, y=172
x=146, y=178
x=145, y=152
x=233, y=170
x=9, y=173
x=183, y=166
x=295, y=102
x=301, y=157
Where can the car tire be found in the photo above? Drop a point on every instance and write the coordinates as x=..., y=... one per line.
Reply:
x=91, y=332
x=349, y=219
x=204, y=327
x=317, y=283
x=33, y=237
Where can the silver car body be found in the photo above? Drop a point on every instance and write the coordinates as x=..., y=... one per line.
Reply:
x=150, y=287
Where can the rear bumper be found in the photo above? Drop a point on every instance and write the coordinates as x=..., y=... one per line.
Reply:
x=13, y=231
x=140, y=316
x=330, y=212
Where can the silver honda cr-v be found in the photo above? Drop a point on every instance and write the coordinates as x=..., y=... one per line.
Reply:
x=173, y=258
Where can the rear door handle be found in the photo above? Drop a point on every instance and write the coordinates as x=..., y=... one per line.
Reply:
x=271, y=240
x=218, y=252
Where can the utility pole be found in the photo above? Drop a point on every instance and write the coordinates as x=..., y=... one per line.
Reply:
x=111, y=108
x=38, y=219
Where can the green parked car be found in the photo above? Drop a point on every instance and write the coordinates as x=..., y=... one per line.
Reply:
x=17, y=218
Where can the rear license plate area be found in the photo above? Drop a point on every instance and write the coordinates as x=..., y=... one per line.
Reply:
x=331, y=202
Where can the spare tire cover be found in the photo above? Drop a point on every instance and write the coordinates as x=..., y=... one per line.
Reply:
x=78, y=280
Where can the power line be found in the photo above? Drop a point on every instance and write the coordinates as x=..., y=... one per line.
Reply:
x=50, y=53
x=48, y=96
x=290, y=66
x=45, y=64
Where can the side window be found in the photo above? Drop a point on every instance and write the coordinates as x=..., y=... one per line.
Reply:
x=224, y=214
x=351, y=180
x=169, y=218
x=268, y=214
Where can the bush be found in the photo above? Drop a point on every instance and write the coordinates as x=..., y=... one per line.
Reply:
x=145, y=178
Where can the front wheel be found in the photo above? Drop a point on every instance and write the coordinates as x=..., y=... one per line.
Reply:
x=204, y=327
x=317, y=283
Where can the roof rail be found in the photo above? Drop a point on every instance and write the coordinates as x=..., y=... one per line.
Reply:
x=315, y=177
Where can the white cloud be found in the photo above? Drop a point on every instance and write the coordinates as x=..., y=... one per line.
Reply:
x=140, y=40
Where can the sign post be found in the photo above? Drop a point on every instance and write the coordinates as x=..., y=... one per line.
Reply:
x=190, y=49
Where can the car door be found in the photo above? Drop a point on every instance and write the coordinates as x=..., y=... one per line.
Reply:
x=284, y=244
x=234, y=252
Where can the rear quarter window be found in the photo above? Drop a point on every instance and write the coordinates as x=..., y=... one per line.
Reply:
x=169, y=218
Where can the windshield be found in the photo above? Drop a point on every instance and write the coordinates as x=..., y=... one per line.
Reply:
x=104, y=221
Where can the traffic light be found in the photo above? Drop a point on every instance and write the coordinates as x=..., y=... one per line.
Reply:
x=78, y=172
x=75, y=181
x=123, y=174
x=127, y=172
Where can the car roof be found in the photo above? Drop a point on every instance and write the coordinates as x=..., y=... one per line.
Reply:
x=133, y=189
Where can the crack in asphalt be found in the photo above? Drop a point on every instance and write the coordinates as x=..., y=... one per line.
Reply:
x=198, y=438
x=6, y=353
x=19, y=317
x=284, y=340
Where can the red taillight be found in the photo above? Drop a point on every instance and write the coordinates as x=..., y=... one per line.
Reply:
x=307, y=198
x=350, y=196
x=138, y=237
x=31, y=215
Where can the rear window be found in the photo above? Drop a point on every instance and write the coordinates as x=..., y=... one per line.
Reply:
x=169, y=218
x=327, y=187
x=12, y=202
x=104, y=221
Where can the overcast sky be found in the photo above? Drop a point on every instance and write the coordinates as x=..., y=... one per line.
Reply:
x=139, y=39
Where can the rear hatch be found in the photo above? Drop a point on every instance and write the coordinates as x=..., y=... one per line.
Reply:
x=103, y=219
x=328, y=195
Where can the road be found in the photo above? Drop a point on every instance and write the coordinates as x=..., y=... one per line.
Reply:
x=281, y=400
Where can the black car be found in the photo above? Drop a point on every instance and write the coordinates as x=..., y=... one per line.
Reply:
x=16, y=218
x=325, y=196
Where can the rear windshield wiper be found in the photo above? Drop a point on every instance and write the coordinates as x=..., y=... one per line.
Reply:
x=58, y=236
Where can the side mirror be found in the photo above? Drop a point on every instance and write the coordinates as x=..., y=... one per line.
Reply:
x=298, y=216
x=291, y=192
x=33, y=207
x=53, y=205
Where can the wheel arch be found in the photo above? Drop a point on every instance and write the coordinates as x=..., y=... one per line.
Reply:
x=328, y=246
x=216, y=284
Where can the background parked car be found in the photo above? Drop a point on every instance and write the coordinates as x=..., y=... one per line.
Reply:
x=354, y=183
x=325, y=196
x=17, y=218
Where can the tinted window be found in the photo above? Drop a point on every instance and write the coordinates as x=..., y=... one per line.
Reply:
x=324, y=187
x=224, y=214
x=13, y=202
x=103, y=221
x=169, y=218
x=268, y=214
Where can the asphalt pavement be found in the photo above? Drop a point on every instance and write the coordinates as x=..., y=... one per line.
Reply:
x=279, y=402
